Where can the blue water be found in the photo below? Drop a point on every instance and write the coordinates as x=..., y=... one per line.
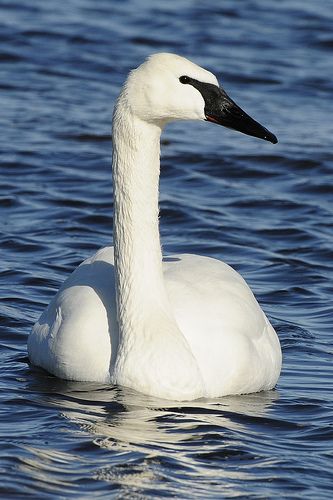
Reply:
x=265, y=209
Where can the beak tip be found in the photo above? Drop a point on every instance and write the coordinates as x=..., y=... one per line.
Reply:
x=272, y=138
x=268, y=136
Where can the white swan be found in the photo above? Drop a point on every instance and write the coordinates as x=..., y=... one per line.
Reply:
x=182, y=328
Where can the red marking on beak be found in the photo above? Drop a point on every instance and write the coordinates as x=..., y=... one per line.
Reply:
x=211, y=119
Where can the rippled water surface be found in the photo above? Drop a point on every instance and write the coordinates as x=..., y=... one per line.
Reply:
x=266, y=210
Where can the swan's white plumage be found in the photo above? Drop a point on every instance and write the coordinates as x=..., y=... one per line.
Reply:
x=229, y=335
x=184, y=329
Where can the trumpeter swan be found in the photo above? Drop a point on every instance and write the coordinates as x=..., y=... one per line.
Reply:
x=182, y=328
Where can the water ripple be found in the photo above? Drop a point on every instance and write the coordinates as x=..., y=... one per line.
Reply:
x=268, y=213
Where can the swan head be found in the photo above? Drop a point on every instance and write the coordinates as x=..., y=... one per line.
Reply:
x=168, y=87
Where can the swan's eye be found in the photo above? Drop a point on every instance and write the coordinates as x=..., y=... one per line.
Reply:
x=184, y=79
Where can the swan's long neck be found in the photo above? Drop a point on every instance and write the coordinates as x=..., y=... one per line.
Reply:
x=138, y=257
x=153, y=355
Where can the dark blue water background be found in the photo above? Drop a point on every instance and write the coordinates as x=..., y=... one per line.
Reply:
x=266, y=210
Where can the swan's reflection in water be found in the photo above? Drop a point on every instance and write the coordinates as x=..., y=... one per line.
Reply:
x=152, y=443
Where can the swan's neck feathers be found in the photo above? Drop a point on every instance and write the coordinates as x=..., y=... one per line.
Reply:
x=138, y=254
x=146, y=325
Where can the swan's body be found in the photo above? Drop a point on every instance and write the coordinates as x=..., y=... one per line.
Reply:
x=182, y=328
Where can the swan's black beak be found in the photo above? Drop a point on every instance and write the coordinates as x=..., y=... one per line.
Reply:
x=219, y=108
x=224, y=111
